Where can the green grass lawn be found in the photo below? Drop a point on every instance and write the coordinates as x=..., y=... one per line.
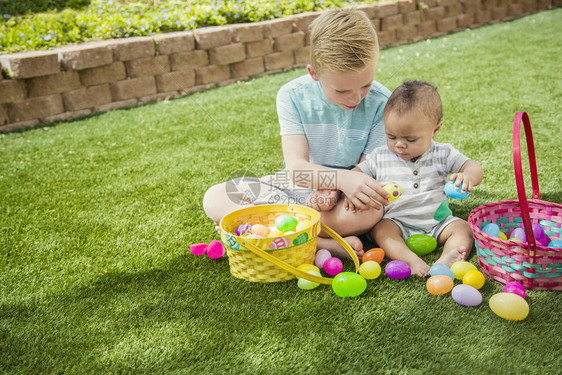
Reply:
x=97, y=216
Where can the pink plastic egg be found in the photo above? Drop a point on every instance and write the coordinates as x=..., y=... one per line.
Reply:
x=215, y=250
x=515, y=288
x=333, y=266
x=198, y=248
x=322, y=256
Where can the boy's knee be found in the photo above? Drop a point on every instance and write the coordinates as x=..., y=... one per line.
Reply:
x=358, y=223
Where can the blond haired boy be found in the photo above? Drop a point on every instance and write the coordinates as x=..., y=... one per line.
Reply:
x=330, y=120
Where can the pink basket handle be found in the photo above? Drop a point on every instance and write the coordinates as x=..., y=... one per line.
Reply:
x=522, y=116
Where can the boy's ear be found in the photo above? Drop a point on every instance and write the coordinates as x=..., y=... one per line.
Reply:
x=312, y=72
x=437, y=128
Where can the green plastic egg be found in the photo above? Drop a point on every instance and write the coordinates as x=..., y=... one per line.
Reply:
x=421, y=244
x=348, y=284
x=286, y=223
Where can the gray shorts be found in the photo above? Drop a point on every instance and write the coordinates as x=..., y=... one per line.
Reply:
x=272, y=189
x=434, y=232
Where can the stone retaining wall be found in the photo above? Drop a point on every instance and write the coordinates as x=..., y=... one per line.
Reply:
x=41, y=87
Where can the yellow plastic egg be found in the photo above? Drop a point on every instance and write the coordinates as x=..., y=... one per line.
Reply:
x=474, y=278
x=394, y=191
x=308, y=267
x=461, y=267
x=260, y=230
x=502, y=236
x=370, y=270
x=302, y=225
x=509, y=306
x=274, y=232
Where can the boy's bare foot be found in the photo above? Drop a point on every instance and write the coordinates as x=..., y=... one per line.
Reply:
x=322, y=200
x=337, y=250
x=419, y=268
x=454, y=255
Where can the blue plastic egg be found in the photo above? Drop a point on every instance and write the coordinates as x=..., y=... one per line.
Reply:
x=491, y=229
x=453, y=192
x=555, y=243
x=441, y=269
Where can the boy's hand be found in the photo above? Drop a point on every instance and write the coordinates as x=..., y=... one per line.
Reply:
x=363, y=191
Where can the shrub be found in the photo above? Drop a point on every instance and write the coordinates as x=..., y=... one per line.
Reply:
x=17, y=7
x=111, y=19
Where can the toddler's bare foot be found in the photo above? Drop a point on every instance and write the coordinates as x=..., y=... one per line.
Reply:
x=337, y=250
x=419, y=268
x=454, y=255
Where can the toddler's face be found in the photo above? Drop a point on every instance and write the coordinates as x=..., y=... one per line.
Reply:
x=409, y=135
x=345, y=89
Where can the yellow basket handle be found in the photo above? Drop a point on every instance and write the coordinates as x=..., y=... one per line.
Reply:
x=299, y=273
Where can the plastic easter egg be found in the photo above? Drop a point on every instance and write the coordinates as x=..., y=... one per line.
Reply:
x=491, y=229
x=244, y=230
x=348, y=284
x=397, y=270
x=322, y=256
x=555, y=243
x=442, y=211
x=461, y=267
x=466, y=295
x=394, y=191
x=439, y=284
x=441, y=269
x=376, y=254
x=286, y=223
x=215, y=250
x=515, y=288
x=502, y=236
x=543, y=241
x=421, y=244
x=308, y=267
x=274, y=232
x=333, y=266
x=509, y=306
x=515, y=240
x=260, y=230
x=198, y=248
x=370, y=270
x=519, y=233
x=307, y=284
x=474, y=278
x=302, y=225
x=455, y=193
x=538, y=231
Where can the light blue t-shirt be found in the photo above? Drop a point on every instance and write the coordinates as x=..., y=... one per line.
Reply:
x=336, y=138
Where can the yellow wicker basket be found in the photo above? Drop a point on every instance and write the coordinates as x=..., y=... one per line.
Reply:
x=275, y=259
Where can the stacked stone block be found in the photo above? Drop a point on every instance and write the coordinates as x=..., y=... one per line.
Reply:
x=41, y=87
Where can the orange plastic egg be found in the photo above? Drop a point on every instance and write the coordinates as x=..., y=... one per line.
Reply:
x=376, y=254
x=439, y=284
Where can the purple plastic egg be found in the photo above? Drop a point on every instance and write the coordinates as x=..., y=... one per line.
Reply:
x=244, y=230
x=543, y=241
x=397, y=270
x=466, y=295
x=519, y=233
x=515, y=288
x=538, y=231
x=333, y=266
x=322, y=256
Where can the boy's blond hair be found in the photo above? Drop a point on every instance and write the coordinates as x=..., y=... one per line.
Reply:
x=412, y=95
x=343, y=40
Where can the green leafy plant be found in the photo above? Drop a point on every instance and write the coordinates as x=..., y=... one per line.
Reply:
x=119, y=19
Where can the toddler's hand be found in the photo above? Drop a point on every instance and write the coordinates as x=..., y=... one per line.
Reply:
x=464, y=179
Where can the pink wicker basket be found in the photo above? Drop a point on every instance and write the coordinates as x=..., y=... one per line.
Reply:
x=533, y=265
